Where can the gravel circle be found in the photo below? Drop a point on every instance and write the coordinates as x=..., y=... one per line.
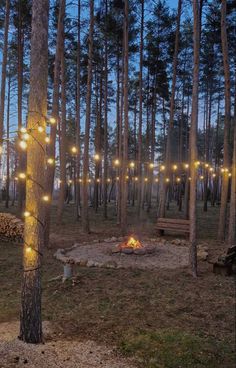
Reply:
x=54, y=354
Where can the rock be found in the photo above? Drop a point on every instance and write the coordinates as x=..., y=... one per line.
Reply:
x=83, y=262
x=176, y=242
x=110, y=264
x=90, y=263
x=202, y=255
x=202, y=246
x=127, y=250
x=116, y=249
x=150, y=249
x=140, y=251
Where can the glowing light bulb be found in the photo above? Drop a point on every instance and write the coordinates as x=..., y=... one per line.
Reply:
x=47, y=139
x=229, y=174
x=50, y=161
x=70, y=181
x=23, y=145
x=74, y=149
x=214, y=175
x=186, y=166
x=16, y=179
x=189, y=179
x=178, y=180
x=117, y=178
x=52, y=120
x=136, y=178
x=151, y=165
x=156, y=180
x=222, y=170
x=167, y=180
x=146, y=180
x=175, y=167
x=80, y=180
x=108, y=180
x=89, y=180
x=98, y=180
x=197, y=163
x=211, y=169
x=22, y=176
x=28, y=249
x=117, y=162
x=40, y=129
x=201, y=177
x=206, y=165
x=23, y=130
x=162, y=167
x=127, y=177
x=132, y=165
x=27, y=214
x=26, y=136
x=96, y=157
x=46, y=198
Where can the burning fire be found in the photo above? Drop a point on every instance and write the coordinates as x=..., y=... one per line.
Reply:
x=131, y=243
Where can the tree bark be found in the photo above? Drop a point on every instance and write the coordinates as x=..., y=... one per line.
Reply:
x=8, y=142
x=4, y=71
x=140, y=126
x=85, y=214
x=55, y=114
x=105, y=120
x=62, y=141
x=193, y=139
x=78, y=108
x=126, y=123
x=225, y=178
x=30, y=318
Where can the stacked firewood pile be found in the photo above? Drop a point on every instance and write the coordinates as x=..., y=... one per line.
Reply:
x=11, y=228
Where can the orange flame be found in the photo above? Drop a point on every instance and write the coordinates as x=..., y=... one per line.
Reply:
x=131, y=243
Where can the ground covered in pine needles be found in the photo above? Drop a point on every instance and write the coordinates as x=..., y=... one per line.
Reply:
x=162, y=318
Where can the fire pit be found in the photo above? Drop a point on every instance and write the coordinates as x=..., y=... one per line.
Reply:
x=132, y=245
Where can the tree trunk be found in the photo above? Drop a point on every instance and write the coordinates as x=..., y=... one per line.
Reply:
x=225, y=178
x=62, y=141
x=4, y=71
x=193, y=140
x=232, y=210
x=105, y=122
x=140, y=110
x=78, y=141
x=20, y=53
x=8, y=143
x=126, y=123
x=85, y=214
x=30, y=319
x=55, y=114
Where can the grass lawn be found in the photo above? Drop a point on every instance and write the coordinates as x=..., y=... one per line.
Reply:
x=162, y=318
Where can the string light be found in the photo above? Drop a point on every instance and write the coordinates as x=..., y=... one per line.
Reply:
x=197, y=163
x=28, y=249
x=27, y=214
x=98, y=180
x=229, y=174
x=151, y=165
x=156, y=180
x=46, y=198
x=74, y=149
x=23, y=145
x=175, y=167
x=22, y=175
x=136, y=178
x=186, y=166
x=52, y=120
x=201, y=177
x=127, y=177
x=16, y=179
x=162, y=167
x=50, y=161
x=206, y=165
x=40, y=129
x=26, y=136
x=70, y=181
x=178, y=180
x=146, y=180
x=211, y=169
x=213, y=175
x=132, y=164
x=117, y=178
x=47, y=139
x=96, y=157
x=116, y=162
x=108, y=180
x=167, y=180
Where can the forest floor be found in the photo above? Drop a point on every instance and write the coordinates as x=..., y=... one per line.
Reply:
x=160, y=318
